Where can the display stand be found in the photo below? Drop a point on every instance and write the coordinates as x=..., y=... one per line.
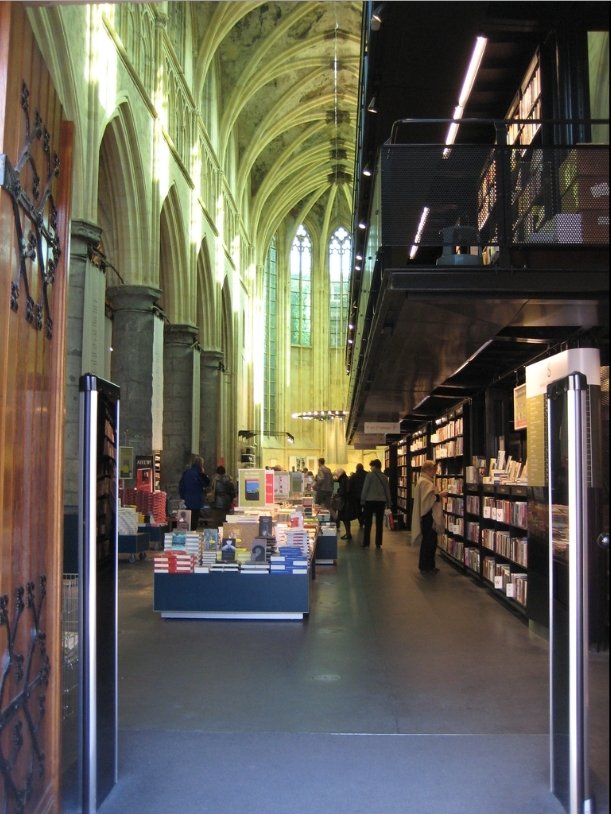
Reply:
x=232, y=596
x=155, y=533
x=325, y=551
x=136, y=545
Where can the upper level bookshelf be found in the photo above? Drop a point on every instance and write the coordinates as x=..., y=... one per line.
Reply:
x=525, y=107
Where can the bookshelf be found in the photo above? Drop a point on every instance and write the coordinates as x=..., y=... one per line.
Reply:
x=419, y=451
x=525, y=107
x=403, y=481
x=526, y=167
x=448, y=444
x=503, y=541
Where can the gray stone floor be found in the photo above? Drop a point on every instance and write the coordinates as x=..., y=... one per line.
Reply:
x=399, y=693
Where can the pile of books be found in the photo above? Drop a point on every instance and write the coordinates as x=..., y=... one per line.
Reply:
x=290, y=559
x=174, y=562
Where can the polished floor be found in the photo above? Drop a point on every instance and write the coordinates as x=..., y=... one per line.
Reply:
x=400, y=693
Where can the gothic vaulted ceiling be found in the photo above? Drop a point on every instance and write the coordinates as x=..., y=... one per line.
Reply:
x=288, y=86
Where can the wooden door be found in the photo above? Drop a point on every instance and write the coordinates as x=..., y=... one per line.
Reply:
x=35, y=179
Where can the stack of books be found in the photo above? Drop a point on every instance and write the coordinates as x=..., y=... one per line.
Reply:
x=220, y=565
x=254, y=568
x=174, y=562
x=208, y=558
x=290, y=559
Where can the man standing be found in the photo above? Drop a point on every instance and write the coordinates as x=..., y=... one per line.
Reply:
x=192, y=488
x=323, y=485
x=375, y=497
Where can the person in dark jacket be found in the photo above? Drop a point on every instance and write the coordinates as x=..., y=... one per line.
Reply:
x=355, y=487
x=339, y=502
x=323, y=485
x=375, y=497
x=223, y=493
x=192, y=489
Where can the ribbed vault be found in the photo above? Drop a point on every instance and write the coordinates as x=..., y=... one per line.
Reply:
x=288, y=75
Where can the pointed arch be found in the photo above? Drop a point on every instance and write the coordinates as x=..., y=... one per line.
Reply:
x=206, y=316
x=122, y=201
x=176, y=294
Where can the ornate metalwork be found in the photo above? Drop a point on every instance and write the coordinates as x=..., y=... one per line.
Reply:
x=35, y=218
x=24, y=678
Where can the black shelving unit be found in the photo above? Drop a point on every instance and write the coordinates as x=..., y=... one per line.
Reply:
x=448, y=444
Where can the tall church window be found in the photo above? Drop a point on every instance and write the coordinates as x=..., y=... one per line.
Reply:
x=301, y=289
x=270, y=386
x=339, y=286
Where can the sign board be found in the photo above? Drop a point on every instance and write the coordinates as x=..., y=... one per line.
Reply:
x=382, y=427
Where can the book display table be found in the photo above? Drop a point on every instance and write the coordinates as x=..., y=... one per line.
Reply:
x=232, y=596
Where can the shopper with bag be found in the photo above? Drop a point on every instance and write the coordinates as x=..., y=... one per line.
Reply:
x=427, y=517
x=375, y=497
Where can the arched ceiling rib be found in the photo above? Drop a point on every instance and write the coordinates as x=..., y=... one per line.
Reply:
x=289, y=78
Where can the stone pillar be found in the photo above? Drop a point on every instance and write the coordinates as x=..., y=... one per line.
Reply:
x=211, y=368
x=82, y=236
x=132, y=364
x=179, y=391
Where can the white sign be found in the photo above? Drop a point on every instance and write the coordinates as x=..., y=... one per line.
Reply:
x=382, y=427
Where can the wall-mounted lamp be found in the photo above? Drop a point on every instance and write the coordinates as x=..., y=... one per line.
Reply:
x=367, y=172
x=372, y=107
x=362, y=224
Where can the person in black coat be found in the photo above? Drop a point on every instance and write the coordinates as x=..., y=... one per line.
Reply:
x=355, y=487
x=339, y=502
x=192, y=489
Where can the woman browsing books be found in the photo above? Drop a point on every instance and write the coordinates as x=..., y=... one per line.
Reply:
x=423, y=529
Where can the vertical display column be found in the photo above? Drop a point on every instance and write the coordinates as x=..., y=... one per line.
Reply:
x=566, y=425
x=98, y=538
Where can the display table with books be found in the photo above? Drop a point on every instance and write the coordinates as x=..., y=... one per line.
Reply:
x=203, y=576
x=232, y=595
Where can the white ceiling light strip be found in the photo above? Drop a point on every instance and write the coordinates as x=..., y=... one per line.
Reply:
x=465, y=92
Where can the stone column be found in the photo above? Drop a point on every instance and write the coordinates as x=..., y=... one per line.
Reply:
x=132, y=364
x=211, y=371
x=82, y=236
x=179, y=391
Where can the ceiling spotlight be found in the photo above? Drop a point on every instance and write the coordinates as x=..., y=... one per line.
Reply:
x=372, y=106
x=367, y=169
x=362, y=224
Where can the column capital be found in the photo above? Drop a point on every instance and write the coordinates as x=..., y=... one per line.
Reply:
x=85, y=230
x=132, y=297
x=211, y=359
x=180, y=335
